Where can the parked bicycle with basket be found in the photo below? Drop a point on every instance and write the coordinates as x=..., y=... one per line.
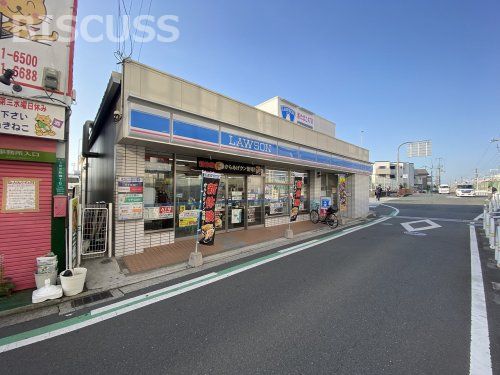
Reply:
x=328, y=217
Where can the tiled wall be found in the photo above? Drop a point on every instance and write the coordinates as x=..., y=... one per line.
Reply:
x=129, y=235
x=158, y=239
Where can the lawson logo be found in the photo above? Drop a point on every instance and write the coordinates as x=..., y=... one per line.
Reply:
x=247, y=143
x=288, y=113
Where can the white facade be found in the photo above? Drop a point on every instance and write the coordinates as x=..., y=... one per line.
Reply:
x=298, y=115
x=385, y=174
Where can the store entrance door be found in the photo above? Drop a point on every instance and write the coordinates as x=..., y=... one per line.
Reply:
x=236, y=202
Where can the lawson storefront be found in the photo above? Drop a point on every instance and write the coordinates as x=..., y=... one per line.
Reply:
x=164, y=147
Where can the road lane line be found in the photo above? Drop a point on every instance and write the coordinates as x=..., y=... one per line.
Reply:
x=480, y=358
x=110, y=311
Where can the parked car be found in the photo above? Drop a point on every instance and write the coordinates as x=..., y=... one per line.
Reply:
x=444, y=189
x=464, y=191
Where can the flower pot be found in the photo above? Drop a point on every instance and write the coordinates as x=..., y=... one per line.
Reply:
x=73, y=285
x=41, y=277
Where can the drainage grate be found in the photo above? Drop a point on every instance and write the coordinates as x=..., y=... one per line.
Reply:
x=91, y=299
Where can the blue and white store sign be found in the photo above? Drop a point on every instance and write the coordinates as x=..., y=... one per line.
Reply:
x=188, y=130
x=288, y=113
x=149, y=123
x=231, y=140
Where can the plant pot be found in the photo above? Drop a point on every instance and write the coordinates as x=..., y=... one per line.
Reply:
x=41, y=277
x=73, y=285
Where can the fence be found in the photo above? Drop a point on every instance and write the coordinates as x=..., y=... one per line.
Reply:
x=491, y=224
x=96, y=231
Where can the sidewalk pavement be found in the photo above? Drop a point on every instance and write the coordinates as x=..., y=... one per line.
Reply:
x=161, y=264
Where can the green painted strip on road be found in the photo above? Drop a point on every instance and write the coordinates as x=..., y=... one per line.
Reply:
x=73, y=322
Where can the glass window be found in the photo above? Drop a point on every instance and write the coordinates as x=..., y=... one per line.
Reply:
x=158, y=192
x=255, y=200
x=277, y=190
x=329, y=186
x=188, y=195
x=304, y=196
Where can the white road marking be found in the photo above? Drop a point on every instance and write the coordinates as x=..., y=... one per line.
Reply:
x=480, y=358
x=409, y=228
x=134, y=303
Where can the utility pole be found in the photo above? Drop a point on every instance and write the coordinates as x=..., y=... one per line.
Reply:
x=439, y=170
x=477, y=179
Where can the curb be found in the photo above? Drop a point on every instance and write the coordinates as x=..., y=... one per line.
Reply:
x=167, y=273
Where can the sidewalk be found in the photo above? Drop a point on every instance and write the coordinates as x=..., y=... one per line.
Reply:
x=109, y=278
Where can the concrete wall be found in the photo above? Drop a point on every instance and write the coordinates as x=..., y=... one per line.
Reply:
x=158, y=87
x=358, y=195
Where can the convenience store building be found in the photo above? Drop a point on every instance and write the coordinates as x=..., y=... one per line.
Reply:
x=154, y=133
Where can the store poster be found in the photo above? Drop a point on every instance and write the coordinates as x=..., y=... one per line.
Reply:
x=20, y=195
x=297, y=192
x=188, y=218
x=210, y=186
x=342, y=193
x=236, y=215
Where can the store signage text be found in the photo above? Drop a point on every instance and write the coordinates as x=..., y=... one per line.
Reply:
x=27, y=155
x=228, y=166
x=247, y=143
x=29, y=118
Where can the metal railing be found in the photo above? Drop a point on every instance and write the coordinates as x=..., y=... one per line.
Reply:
x=491, y=224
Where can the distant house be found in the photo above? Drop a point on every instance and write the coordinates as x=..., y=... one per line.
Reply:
x=423, y=180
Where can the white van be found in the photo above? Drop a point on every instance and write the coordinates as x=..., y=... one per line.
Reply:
x=444, y=189
x=464, y=191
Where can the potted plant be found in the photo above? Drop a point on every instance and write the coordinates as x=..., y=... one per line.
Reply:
x=6, y=284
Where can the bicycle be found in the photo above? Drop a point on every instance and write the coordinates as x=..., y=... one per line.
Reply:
x=328, y=218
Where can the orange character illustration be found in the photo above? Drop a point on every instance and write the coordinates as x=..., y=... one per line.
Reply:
x=22, y=18
x=43, y=126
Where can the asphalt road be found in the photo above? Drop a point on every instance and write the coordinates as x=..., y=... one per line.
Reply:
x=371, y=302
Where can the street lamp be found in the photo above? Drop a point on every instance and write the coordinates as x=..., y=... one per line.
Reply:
x=418, y=148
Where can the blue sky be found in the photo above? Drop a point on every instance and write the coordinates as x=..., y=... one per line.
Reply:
x=397, y=70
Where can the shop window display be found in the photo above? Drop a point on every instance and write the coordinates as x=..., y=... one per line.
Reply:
x=158, y=193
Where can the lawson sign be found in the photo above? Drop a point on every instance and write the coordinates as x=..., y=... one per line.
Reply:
x=297, y=116
x=246, y=143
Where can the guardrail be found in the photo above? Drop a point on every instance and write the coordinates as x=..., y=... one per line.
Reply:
x=491, y=224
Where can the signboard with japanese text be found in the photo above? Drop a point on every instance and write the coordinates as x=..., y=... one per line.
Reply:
x=297, y=192
x=210, y=186
x=60, y=186
x=325, y=202
x=130, y=198
x=130, y=185
x=20, y=194
x=36, y=36
x=30, y=118
x=220, y=166
x=130, y=206
x=27, y=155
x=158, y=212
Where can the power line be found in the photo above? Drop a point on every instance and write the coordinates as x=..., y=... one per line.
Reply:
x=132, y=40
x=142, y=38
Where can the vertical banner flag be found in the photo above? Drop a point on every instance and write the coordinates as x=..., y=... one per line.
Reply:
x=342, y=193
x=297, y=192
x=210, y=185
